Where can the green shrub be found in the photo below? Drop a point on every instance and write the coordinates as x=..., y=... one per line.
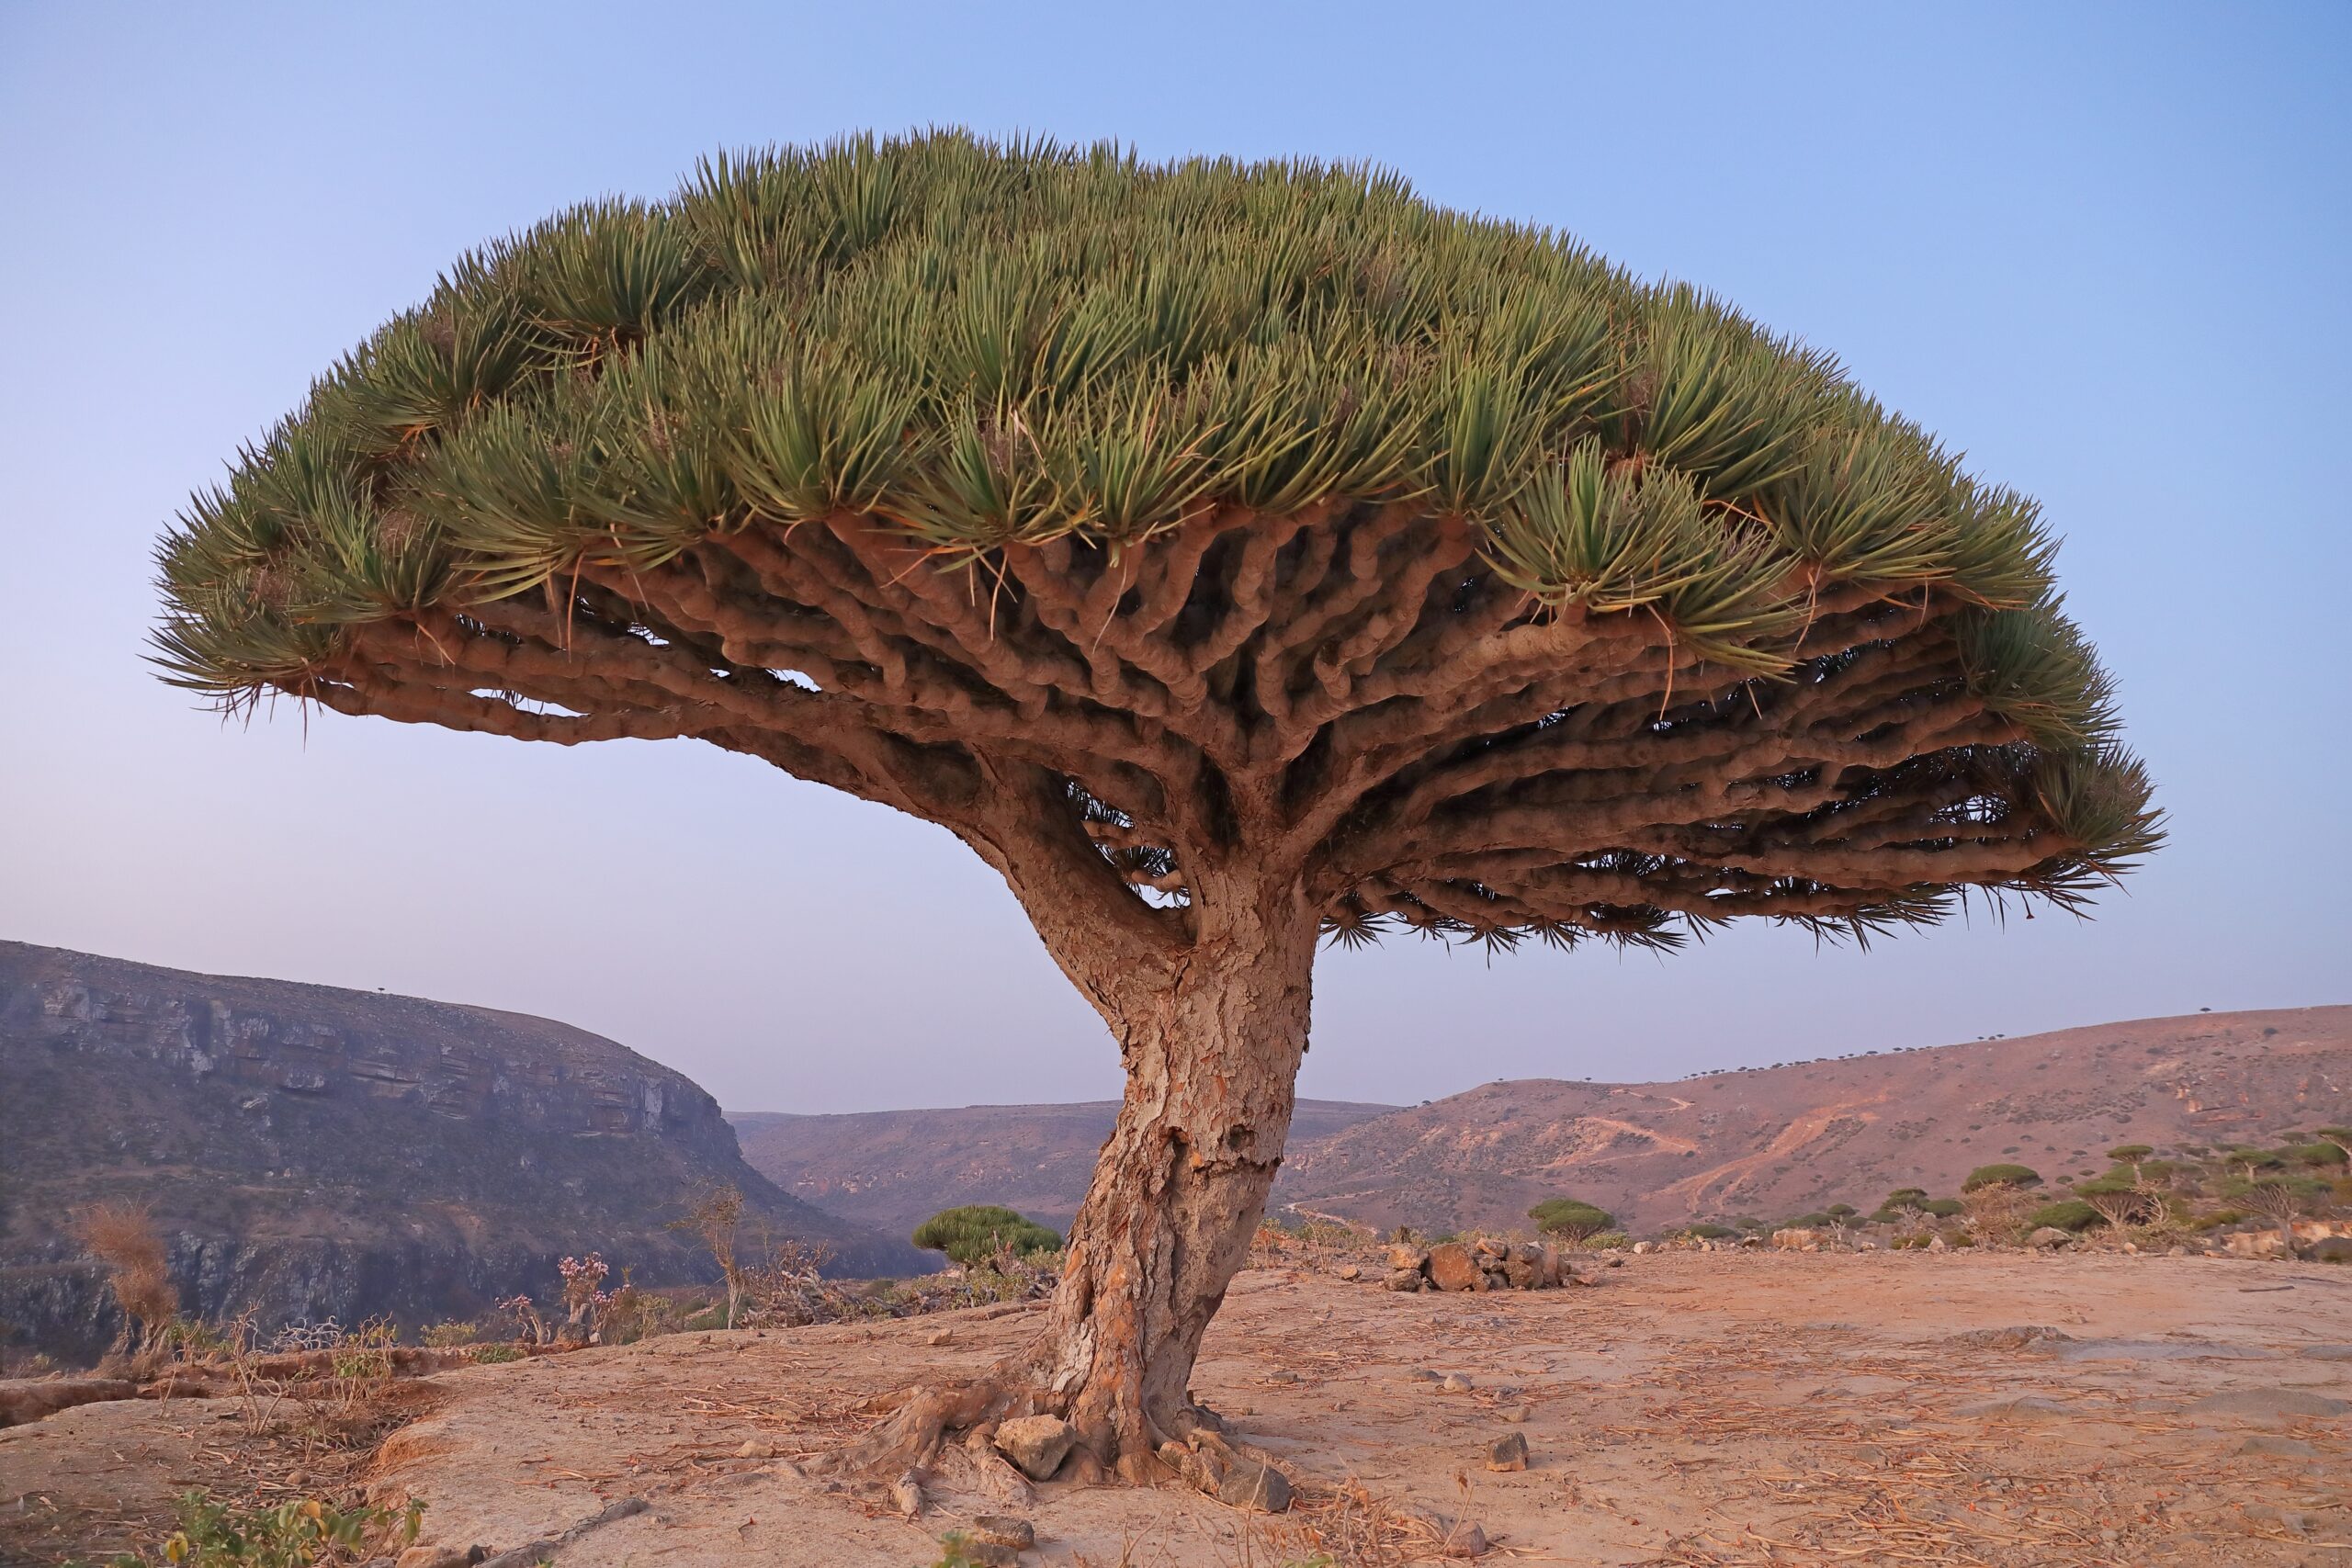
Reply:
x=1608, y=1241
x=2315, y=1155
x=971, y=1234
x=450, y=1335
x=1841, y=1210
x=2067, y=1215
x=1571, y=1218
x=292, y=1535
x=2130, y=1154
x=496, y=1353
x=2001, y=1176
x=1818, y=1221
x=1706, y=1230
x=1942, y=1207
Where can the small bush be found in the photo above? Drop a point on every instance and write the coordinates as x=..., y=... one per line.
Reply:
x=1571, y=1218
x=451, y=1335
x=2001, y=1176
x=1708, y=1231
x=292, y=1535
x=972, y=1234
x=2067, y=1215
x=138, y=1269
x=1813, y=1221
x=1608, y=1241
x=493, y=1354
x=1942, y=1207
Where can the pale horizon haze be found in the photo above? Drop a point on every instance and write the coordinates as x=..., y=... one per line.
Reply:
x=2105, y=250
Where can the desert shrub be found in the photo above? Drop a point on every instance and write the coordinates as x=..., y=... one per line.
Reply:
x=1571, y=1219
x=969, y=1235
x=1942, y=1207
x=1985, y=1175
x=1816, y=1220
x=292, y=1535
x=139, y=1270
x=492, y=1354
x=1913, y=1241
x=1608, y=1241
x=451, y=1335
x=1749, y=1223
x=714, y=1217
x=1706, y=1230
x=2315, y=1154
x=1841, y=1210
x=2067, y=1215
x=2130, y=1154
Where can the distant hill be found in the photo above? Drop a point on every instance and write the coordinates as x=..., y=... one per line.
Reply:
x=1772, y=1142
x=892, y=1168
x=312, y=1152
x=1780, y=1141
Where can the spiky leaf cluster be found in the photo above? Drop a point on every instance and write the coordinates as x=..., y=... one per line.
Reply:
x=1032, y=377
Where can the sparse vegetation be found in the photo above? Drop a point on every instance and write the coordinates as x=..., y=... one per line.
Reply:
x=307, y=1533
x=2001, y=1174
x=123, y=1237
x=714, y=1217
x=1572, y=1220
x=976, y=1232
x=2067, y=1215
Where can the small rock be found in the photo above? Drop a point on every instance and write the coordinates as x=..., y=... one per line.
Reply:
x=1450, y=1268
x=1515, y=1414
x=937, y=1338
x=1036, y=1444
x=1616, y=1260
x=1455, y=1383
x=1641, y=1248
x=1404, y=1280
x=2176, y=1251
x=1250, y=1483
x=755, y=1449
x=1508, y=1451
x=2049, y=1239
x=1283, y=1375
x=1863, y=1245
x=1463, y=1538
x=2291, y=1402
x=431, y=1557
x=1936, y=1244
x=1402, y=1256
x=1004, y=1530
x=1350, y=1271
x=1422, y=1374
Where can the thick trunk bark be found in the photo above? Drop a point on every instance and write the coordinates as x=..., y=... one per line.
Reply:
x=1212, y=1052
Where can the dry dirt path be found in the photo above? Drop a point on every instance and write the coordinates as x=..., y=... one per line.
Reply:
x=1692, y=1408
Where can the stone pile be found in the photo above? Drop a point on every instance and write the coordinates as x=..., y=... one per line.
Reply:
x=1487, y=1264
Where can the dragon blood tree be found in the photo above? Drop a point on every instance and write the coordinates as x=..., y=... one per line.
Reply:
x=1227, y=554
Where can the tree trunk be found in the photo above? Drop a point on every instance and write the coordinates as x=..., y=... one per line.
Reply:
x=1212, y=1059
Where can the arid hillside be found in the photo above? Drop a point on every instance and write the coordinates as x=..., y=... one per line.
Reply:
x=1771, y=1142
x=891, y=1168
x=311, y=1151
x=1776, y=1142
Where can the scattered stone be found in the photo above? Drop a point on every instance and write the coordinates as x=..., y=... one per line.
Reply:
x=1641, y=1248
x=1350, y=1271
x=1283, y=1375
x=1404, y=1279
x=1252, y=1483
x=2259, y=1403
x=1450, y=1268
x=1616, y=1260
x=2330, y=1249
x=2022, y=1407
x=1515, y=1414
x=1004, y=1530
x=1402, y=1256
x=755, y=1449
x=2049, y=1239
x=937, y=1338
x=1455, y=1383
x=1936, y=1244
x=1463, y=1538
x=1036, y=1444
x=2024, y=1336
x=2282, y=1448
x=1508, y=1451
x=1422, y=1374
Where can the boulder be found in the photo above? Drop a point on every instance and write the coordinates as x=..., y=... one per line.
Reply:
x=1523, y=1269
x=2264, y=1243
x=1452, y=1268
x=2330, y=1249
x=1036, y=1444
x=1404, y=1256
x=1554, y=1268
x=1350, y=1271
x=1641, y=1249
x=1404, y=1280
x=1463, y=1538
x=1004, y=1530
x=1507, y=1452
x=1252, y=1483
x=1455, y=1382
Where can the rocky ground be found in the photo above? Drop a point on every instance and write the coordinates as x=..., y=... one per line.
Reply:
x=1685, y=1408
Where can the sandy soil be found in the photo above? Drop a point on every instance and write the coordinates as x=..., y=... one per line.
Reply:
x=1689, y=1409
x=1692, y=1408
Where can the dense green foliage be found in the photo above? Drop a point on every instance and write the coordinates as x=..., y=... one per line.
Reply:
x=290, y=1535
x=975, y=1233
x=988, y=347
x=1570, y=1217
x=2001, y=1176
x=2065, y=1214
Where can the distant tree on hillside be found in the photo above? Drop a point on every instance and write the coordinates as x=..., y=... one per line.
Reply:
x=2002, y=1176
x=972, y=1234
x=1571, y=1219
x=1226, y=555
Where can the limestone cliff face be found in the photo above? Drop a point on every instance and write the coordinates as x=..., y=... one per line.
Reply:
x=311, y=1151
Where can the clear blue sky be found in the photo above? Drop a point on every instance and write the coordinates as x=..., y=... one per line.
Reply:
x=2102, y=248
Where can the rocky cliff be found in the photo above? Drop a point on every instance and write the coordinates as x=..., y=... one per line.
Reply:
x=310, y=1152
